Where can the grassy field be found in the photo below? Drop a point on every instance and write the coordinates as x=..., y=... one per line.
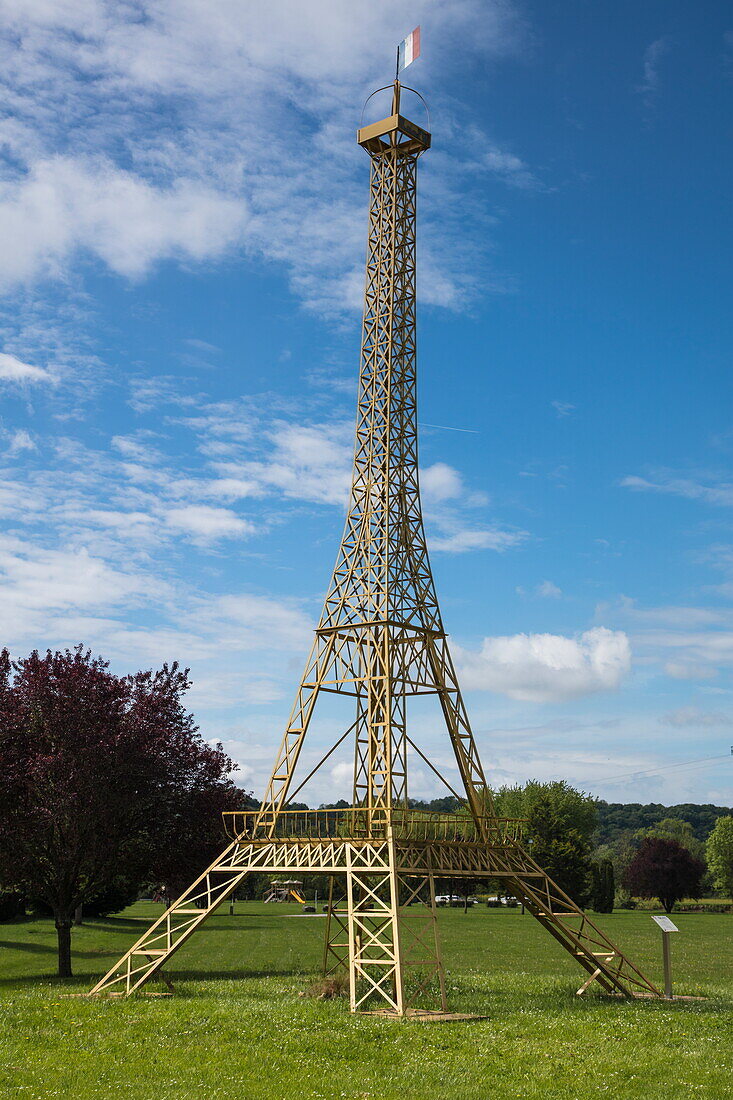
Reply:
x=238, y=1029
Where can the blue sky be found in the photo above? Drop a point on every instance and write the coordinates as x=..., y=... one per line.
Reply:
x=183, y=214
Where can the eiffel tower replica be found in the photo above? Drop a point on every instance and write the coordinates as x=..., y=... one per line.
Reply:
x=381, y=640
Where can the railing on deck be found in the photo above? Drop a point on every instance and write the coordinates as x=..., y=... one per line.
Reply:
x=354, y=823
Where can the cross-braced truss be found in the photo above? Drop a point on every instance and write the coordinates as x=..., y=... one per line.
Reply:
x=381, y=640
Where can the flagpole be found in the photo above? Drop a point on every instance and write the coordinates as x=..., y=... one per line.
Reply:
x=396, y=98
x=396, y=92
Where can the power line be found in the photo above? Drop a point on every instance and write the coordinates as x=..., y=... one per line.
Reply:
x=662, y=768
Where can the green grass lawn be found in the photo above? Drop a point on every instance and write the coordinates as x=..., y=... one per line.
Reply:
x=237, y=1028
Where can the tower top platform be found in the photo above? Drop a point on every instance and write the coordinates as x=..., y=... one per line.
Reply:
x=396, y=131
x=393, y=131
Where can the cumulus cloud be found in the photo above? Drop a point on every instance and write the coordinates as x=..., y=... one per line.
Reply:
x=548, y=667
x=440, y=482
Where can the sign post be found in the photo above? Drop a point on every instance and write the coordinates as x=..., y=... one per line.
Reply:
x=666, y=926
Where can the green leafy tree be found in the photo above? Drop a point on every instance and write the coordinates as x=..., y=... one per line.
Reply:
x=12, y=905
x=559, y=848
x=620, y=852
x=674, y=828
x=719, y=850
x=603, y=886
x=572, y=808
x=560, y=824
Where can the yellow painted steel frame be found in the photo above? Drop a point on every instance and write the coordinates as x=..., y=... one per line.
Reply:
x=381, y=640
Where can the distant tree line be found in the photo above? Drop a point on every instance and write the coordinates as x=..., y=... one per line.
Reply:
x=619, y=819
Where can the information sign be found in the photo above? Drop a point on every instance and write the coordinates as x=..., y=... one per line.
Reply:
x=666, y=924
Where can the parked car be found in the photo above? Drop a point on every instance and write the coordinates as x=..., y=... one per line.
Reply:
x=448, y=899
x=452, y=900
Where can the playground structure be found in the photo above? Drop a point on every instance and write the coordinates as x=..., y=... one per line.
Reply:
x=379, y=642
x=284, y=890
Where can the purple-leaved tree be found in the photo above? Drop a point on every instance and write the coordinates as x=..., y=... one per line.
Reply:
x=666, y=870
x=101, y=777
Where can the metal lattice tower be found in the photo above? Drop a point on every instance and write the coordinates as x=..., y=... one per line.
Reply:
x=381, y=640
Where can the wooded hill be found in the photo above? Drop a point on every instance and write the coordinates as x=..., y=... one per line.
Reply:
x=616, y=818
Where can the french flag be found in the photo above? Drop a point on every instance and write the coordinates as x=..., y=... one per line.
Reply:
x=409, y=50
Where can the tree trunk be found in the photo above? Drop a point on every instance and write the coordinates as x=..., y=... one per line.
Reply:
x=465, y=903
x=78, y=915
x=63, y=932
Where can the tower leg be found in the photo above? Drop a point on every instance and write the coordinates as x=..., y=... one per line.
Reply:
x=336, y=944
x=573, y=928
x=180, y=920
x=436, y=940
x=375, y=971
x=394, y=956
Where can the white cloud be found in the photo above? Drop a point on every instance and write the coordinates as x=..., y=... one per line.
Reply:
x=510, y=168
x=167, y=165
x=562, y=408
x=37, y=585
x=673, y=615
x=138, y=448
x=699, y=648
x=687, y=670
x=15, y=370
x=306, y=462
x=342, y=776
x=440, y=482
x=693, y=716
x=207, y=524
x=155, y=391
x=20, y=440
x=257, y=621
x=720, y=492
x=653, y=55
x=548, y=591
x=232, y=488
x=460, y=539
x=65, y=204
x=690, y=643
x=548, y=667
